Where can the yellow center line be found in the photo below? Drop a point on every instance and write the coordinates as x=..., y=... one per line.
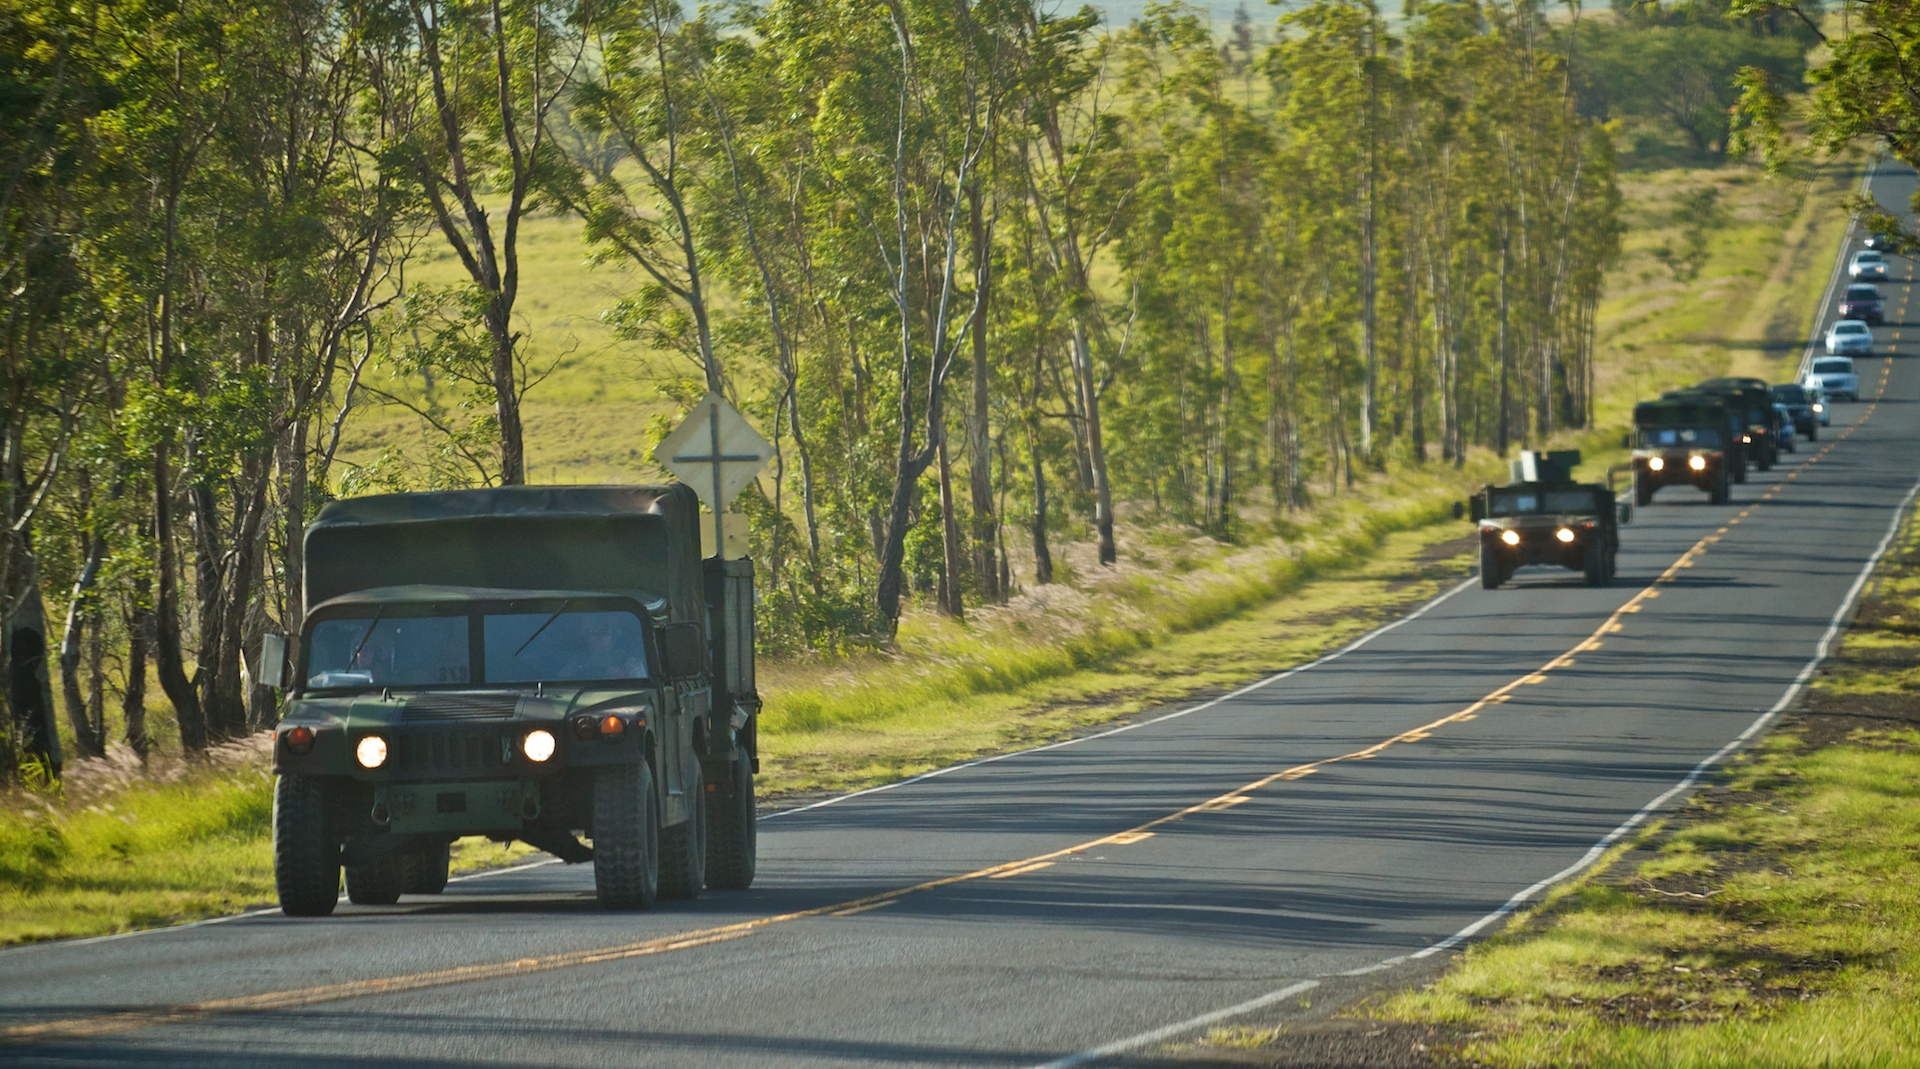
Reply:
x=106, y=1024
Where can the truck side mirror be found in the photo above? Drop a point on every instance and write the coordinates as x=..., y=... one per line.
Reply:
x=1459, y=510
x=273, y=661
x=1626, y=441
x=684, y=650
x=1626, y=512
x=1477, y=508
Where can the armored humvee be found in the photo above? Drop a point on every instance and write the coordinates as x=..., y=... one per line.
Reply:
x=1544, y=517
x=530, y=663
x=1753, y=400
x=1686, y=438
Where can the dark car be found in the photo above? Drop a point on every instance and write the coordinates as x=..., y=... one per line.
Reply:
x=1798, y=404
x=1544, y=517
x=1863, y=301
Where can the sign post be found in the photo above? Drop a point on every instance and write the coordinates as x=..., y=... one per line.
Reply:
x=717, y=452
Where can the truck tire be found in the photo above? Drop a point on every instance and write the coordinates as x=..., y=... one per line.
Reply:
x=1813, y=431
x=1721, y=492
x=683, y=847
x=1740, y=470
x=306, y=859
x=1643, y=489
x=626, y=838
x=1613, y=565
x=1490, y=568
x=732, y=830
x=377, y=884
x=1596, y=564
x=424, y=871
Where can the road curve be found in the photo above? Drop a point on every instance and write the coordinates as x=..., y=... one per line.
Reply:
x=1301, y=838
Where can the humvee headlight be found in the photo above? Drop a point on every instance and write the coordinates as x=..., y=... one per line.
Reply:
x=1511, y=538
x=371, y=752
x=299, y=740
x=1655, y=464
x=538, y=745
x=1746, y=439
x=1564, y=534
x=1819, y=408
x=1697, y=462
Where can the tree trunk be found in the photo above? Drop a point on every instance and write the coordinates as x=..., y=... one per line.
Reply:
x=952, y=561
x=979, y=443
x=1096, y=449
x=87, y=738
x=1042, y=556
x=506, y=395
x=169, y=655
x=133, y=701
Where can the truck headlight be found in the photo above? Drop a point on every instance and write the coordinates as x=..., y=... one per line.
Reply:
x=1697, y=462
x=1564, y=534
x=1819, y=408
x=538, y=745
x=1511, y=538
x=1655, y=464
x=371, y=752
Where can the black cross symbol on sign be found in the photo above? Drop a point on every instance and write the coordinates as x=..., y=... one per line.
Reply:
x=715, y=458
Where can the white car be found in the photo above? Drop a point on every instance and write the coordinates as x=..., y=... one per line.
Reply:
x=1850, y=336
x=1867, y=265
x=1834, y=377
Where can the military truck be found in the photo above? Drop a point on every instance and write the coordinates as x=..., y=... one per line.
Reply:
x=1691, y=439
x=1544, y=517
x=1753, y=400
x=542, y=664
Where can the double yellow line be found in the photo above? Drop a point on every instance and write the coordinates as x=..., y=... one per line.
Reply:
x=108, y=1024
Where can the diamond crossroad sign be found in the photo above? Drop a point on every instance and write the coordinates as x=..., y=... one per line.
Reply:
x=715, y=451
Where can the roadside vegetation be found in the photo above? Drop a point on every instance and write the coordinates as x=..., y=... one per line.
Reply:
x=1771, y=922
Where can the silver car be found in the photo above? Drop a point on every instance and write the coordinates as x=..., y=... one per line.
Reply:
x=1850, y=336
x=1867, y=265
x=1834, y=377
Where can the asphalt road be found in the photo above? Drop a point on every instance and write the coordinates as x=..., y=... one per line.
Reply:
x=1304, y=839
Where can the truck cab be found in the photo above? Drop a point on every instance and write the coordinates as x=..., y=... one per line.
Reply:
x=1544, y=517
x=1691, y=440
x=1752, y=400
x=542, y=664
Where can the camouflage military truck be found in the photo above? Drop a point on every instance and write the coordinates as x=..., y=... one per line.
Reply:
x=1752, y=399
x=539, y=664
x=1544, y=517
x=1690, y=439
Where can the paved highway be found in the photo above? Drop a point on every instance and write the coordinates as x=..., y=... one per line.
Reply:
x=1317, y=833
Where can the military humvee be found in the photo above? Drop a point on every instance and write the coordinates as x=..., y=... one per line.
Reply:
x=1752, y=399
x=1544, y=517
x=530, y=663
x=1686, y=438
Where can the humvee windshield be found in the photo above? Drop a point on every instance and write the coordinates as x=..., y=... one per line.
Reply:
x=1520, y=502
x=400, y=647
x=1681, y=437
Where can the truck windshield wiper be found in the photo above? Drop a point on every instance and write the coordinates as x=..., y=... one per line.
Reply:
x=538, y=630
x=371, y=624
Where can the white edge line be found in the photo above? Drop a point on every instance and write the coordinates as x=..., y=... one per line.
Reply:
x=1833, y=281
x=1606, y=842
x=1121, y=1046
x=264, y=912
x=1229, y=696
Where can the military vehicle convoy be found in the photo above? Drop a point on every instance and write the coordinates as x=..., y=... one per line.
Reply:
x=542, y=664
x=1687, y=439
x=1752, y=399
x=1544, y=517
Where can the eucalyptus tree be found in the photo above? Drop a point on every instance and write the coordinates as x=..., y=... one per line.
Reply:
x=466, y=89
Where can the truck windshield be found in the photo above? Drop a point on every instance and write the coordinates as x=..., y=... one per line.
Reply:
x=1681, y=437
x=555, y=646
x=1520, y=502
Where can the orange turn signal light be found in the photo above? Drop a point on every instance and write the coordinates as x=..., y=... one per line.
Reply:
x=299, y=740
x=612, y=727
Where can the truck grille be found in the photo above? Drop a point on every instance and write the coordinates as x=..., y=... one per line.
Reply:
x=440, y=707
x=428, y=752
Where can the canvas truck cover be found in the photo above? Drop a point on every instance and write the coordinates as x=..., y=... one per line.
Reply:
x=584, y=538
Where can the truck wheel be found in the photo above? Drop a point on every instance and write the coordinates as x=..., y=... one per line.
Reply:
x=626, y=838
x=1596, y=564
x=683, y=847
x=1740, y=469
x=378, y=884
x=1721, y=491
x=1643, y=489
x=1613, y=565
x=306, y=859
x=1490, y=577
x=732, y=830
x=1813, y=432
x=424, y=871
